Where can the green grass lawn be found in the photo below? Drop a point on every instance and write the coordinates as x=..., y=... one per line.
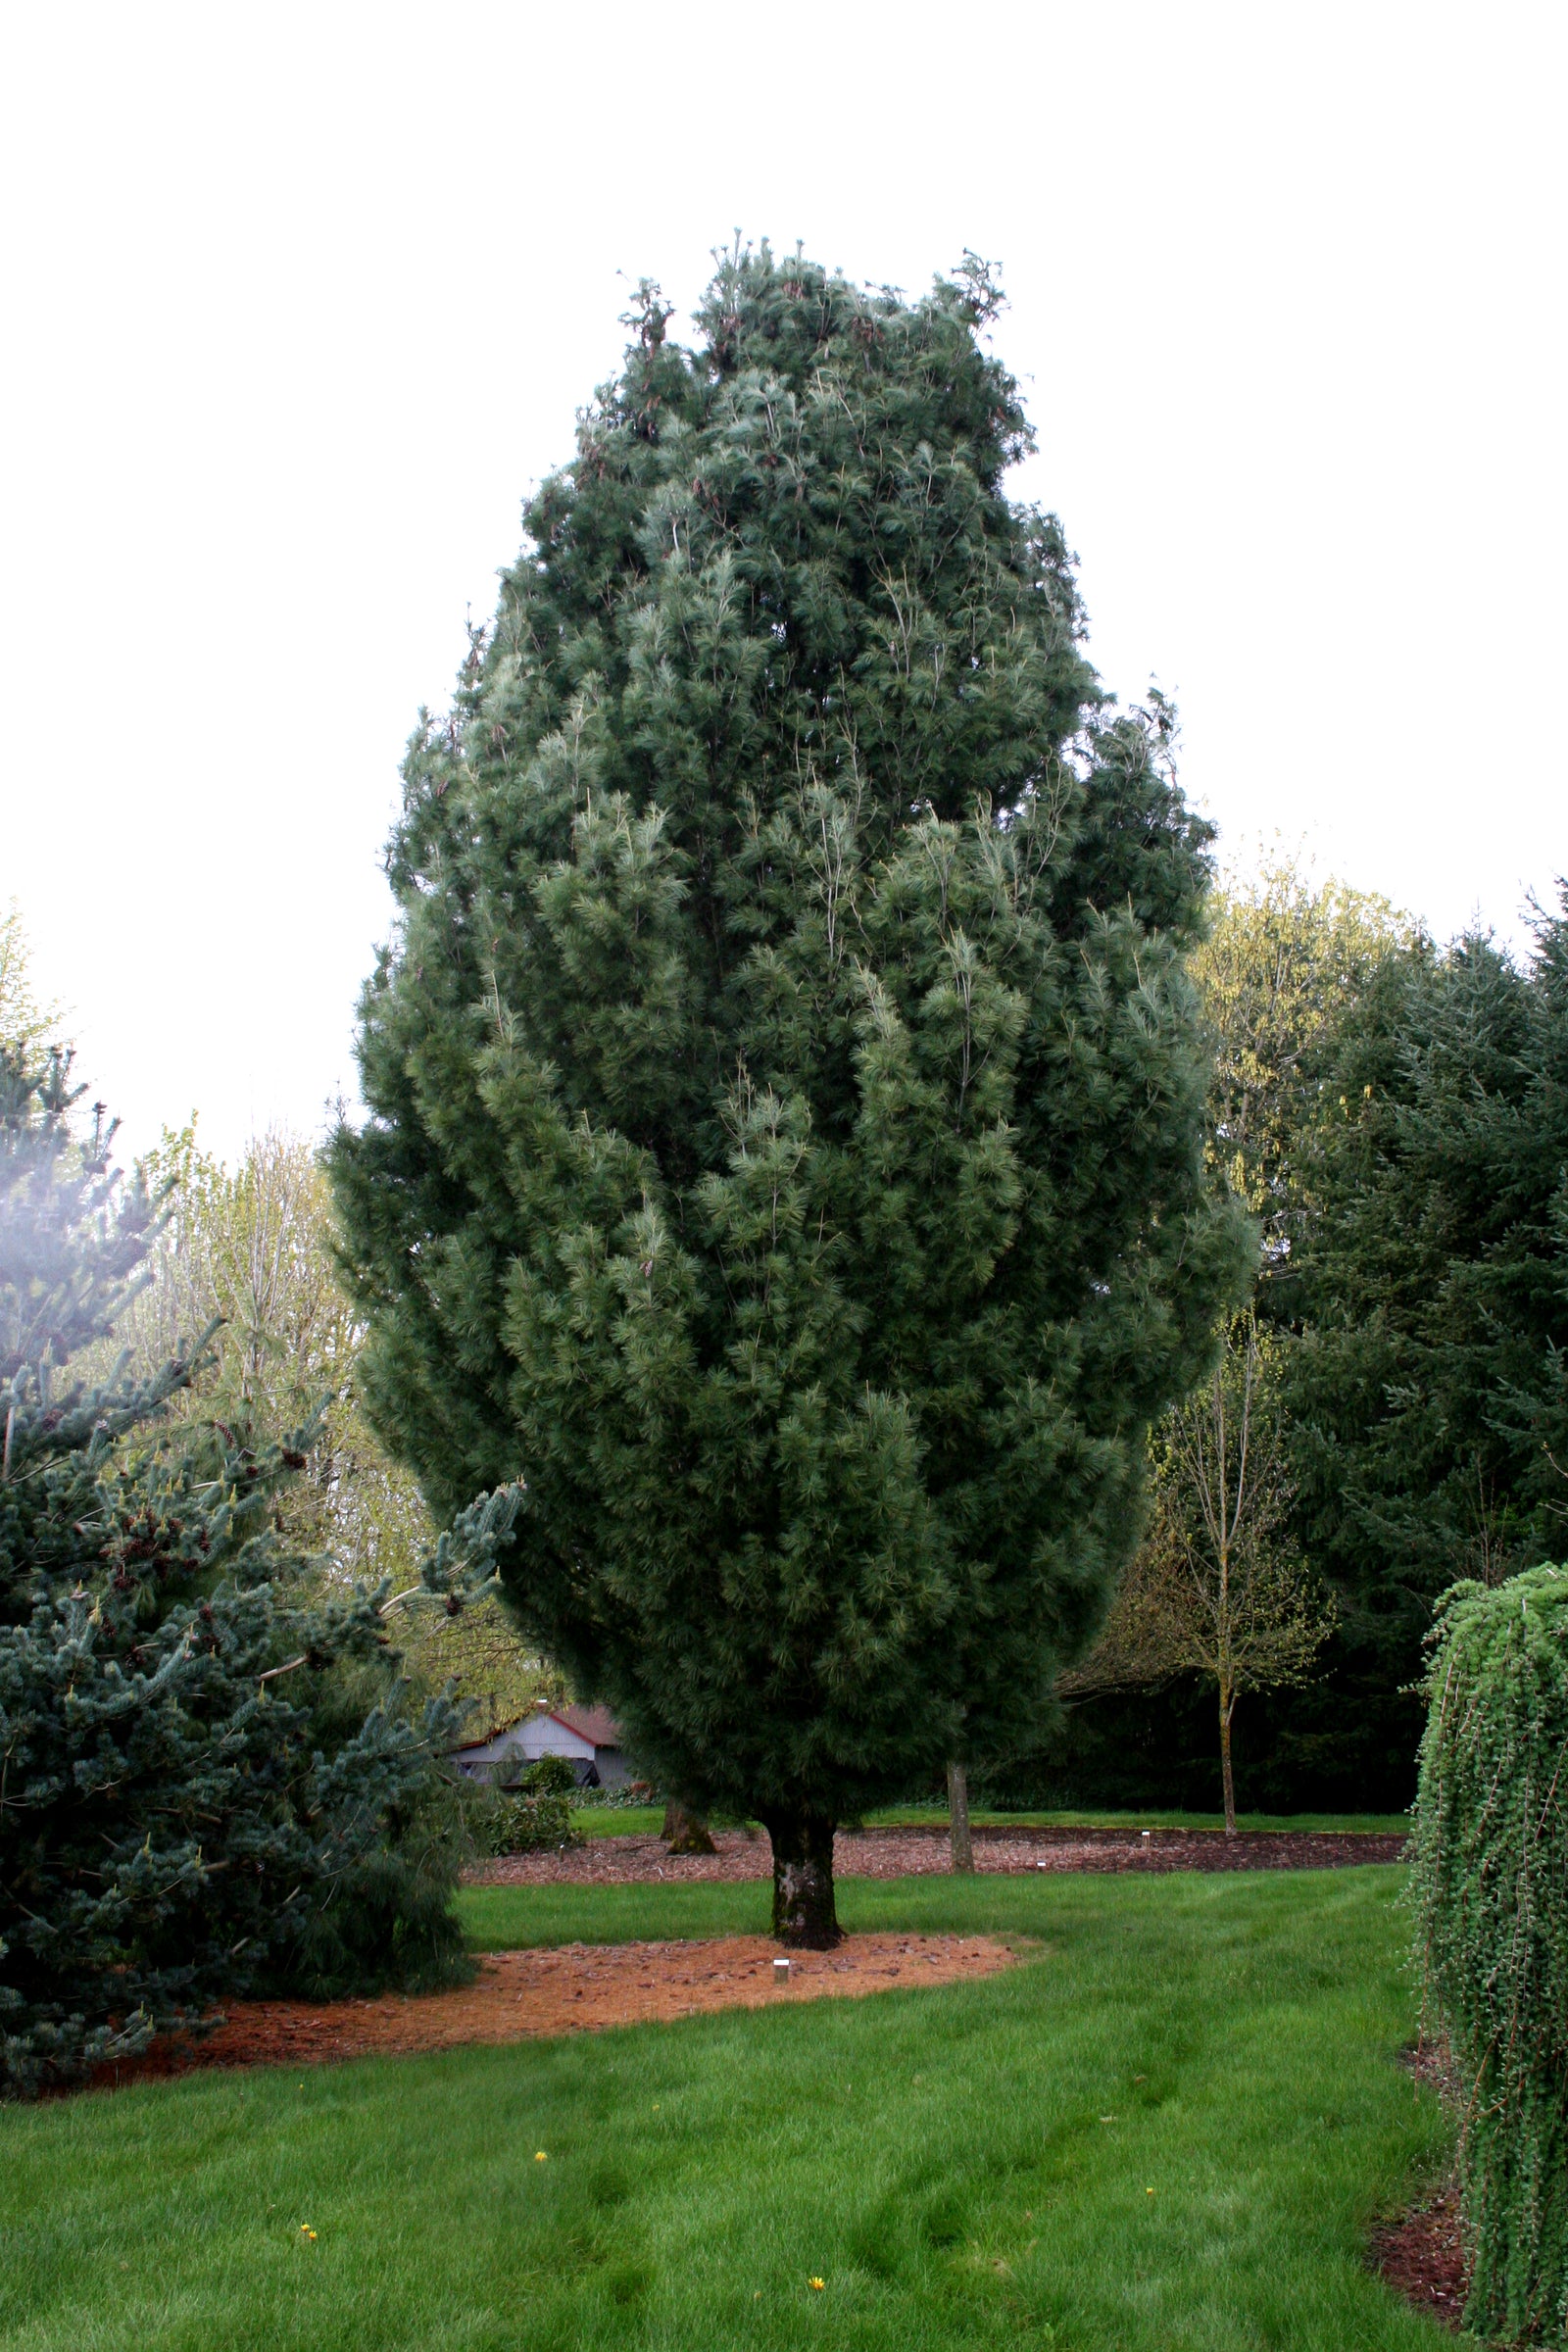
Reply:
x=500, y=1919
x=618, y=1821
x=970, y=2167
x=646, y=1821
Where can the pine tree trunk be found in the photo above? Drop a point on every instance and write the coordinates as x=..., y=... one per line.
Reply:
x=959, y=1817
x=803, y=1911
x=1227, y=1708
x=685, y=1831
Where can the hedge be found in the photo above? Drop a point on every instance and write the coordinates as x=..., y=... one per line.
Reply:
x=1490, y=1885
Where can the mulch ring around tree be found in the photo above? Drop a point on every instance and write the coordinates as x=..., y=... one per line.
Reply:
x=898, y=1853
x=1424, y=2257
x=569, y=1989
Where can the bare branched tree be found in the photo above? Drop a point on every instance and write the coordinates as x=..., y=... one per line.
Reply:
x=1216, y=1588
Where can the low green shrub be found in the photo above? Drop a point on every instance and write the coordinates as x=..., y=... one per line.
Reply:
x=526, y=1825
x=549, y=1775
x=632, y=1796
x=1490, y=1885
x=528, y=1812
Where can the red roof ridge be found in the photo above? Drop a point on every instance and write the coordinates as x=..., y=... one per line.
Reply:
x=594, y=1723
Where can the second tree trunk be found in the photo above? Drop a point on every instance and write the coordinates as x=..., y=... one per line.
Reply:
x=685, y=1831
x=1227, y=1708
x=959, y=1817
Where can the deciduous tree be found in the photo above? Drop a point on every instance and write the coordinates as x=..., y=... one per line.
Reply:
x=1287, y=961
x=27, y=1021
x=1216, y=1588
x=1286, y=958
x=250, y=1250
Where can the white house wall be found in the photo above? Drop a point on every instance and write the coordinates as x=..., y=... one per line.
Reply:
x=541, y=1735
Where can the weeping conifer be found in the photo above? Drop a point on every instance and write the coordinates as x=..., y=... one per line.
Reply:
x=1489, y=1879
x=785, y=1100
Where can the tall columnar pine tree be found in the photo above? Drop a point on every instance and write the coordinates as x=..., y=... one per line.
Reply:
x=209, y=1782
x=785, y=1150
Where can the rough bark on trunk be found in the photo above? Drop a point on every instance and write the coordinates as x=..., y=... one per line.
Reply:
x=803, y=1911
x=1226, y=1711
x=685, y=1831
x=959, y=1817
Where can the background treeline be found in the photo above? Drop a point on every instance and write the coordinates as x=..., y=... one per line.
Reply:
x=1396, y=1115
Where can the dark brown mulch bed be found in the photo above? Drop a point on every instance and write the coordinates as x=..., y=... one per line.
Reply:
x=904, y=1852
x=1423, y=2258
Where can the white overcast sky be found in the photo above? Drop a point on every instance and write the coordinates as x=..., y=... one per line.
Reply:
x=299, y=301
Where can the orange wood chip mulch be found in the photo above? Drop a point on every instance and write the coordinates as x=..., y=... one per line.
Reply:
x=572, y=1988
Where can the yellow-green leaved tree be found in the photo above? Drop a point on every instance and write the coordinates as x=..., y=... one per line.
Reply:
x=1285, y=958
x=251, y=1248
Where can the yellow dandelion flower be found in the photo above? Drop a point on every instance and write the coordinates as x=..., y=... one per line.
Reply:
x=540, y=2156
x=818, y=2283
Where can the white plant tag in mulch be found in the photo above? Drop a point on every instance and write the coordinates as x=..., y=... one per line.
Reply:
x=574, y=1988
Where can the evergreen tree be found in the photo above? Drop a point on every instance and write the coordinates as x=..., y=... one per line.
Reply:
x=1430, y=1295
x=209, y=1781
x=785, y=1150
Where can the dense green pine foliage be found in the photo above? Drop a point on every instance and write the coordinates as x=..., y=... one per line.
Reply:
x=1421, y=1319
x=1490, y=1874
x=209, y=1780
x=785, y=1149
x=1430, y=1382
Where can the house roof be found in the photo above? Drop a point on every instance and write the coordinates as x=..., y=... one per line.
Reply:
x=591, y=1723
x=596, y=1724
